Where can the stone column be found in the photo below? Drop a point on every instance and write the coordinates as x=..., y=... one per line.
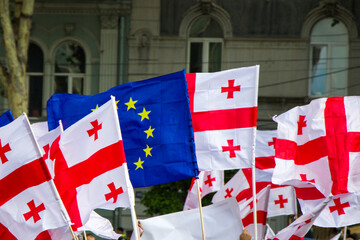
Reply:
x=109, y=51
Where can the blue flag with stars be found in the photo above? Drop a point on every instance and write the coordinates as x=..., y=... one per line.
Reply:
x=155, y=124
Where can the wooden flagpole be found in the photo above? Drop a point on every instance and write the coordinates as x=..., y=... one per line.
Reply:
x=130, y=190
x=85, y=237
x=254, y=187
x=345, y=232
x=52, y=184
x=200, y=208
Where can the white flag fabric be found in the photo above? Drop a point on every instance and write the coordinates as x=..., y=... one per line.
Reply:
x=247, y=213
x=209, y=181
x=101, y=226
x=282, y=201
x=221, y=221
x=90, y=166
x=223, y=110
x=28, y=205
x=299, y=228
x=318, y=143
x=343, y=210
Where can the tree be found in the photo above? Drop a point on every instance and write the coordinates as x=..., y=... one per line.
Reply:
x=16, y=27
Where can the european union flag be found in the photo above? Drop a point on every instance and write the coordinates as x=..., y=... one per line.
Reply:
x=155, y=124
x=6, y=118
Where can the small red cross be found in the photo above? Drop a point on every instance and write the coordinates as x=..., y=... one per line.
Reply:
x=272, y=143
x=230, y=89
x=228, y=192
x=95, y=129
x=34, y=211
x=339, y=207
x=3, y=150
x=231, y=148
x=304, y=178
x=114, y=193
x=281, y=201
x=301, y=123
x=209, y=180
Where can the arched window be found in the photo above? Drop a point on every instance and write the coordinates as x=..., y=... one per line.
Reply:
x=329, y=50
x=205, y=45
x=69, y=72
x=34, y=79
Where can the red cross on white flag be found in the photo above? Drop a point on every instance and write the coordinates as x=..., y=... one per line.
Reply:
x=90, y=166
x=223, y=110
x=342, y=210
x=239, y=185
x=28, y=205
x=209, y=181
x=318, y=143
x=299, y=228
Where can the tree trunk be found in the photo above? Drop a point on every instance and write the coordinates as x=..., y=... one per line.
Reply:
x=16, y=53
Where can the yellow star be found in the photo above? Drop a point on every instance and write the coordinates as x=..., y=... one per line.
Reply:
x=130, y=104
x=149, y=132
x=147, y=150
x=144, y=114
x=97, y=106
x=139, y=164
x=116, y=102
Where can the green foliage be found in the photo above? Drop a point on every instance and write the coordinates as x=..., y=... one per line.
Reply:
x=166, y=198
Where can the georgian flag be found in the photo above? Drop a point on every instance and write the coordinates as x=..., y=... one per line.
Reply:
x=342, y=210
x=90, y=166
x=299, y=228
x=223, y=109
x=209, y=181
x=318, y=144
x=282, y=198
x=28, y=205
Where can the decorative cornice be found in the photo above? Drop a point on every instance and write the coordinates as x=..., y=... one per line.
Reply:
x=82, y=9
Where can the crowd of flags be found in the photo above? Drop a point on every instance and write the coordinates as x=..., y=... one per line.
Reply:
x=94, y=149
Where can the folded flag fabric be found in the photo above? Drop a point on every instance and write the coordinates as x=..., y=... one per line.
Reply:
x=28, y=205
x=6, y=118
x=318, y=144
x=221, y=221
x=90, y=167
x=209, y=181
x=299, y=228
x=223, y=109
x=247, y=213
x=269, y=232
x=155, y=123
x=343, y=210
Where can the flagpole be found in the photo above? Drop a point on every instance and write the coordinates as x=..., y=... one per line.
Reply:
x=200, y=208
x=130, y=189
x=253, y=169
x=345, y=232
x=52, y=184
x=85, y=237
x=254, y=187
